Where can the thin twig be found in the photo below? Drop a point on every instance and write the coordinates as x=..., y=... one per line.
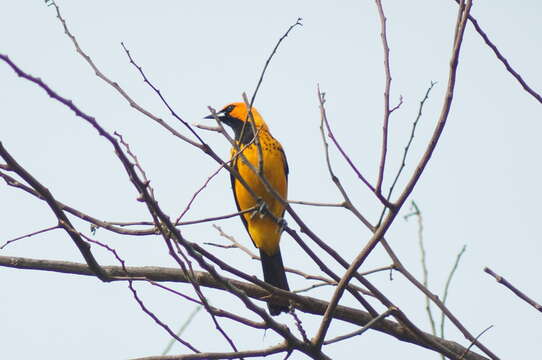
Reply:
x=311, y=287
x=512, y=288
x=423, y=260
x=255, y=131
x=299, y=325
x=387, y=112
x=324, y=121
x=175, y=292
x=447, y=286
x=406, y=150
x=135, y=161
x=412, y=133
x=215, y=218
x=235, y=243
x=187, y=207
x=157, y=320
x=268, y=61
x=282, y=347
x=501, y=57
x=472, y=343
x=312, y=203
x=183, y=327
x=360, y=331
x=29, y=235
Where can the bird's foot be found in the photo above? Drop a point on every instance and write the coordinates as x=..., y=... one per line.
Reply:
x=260, y=209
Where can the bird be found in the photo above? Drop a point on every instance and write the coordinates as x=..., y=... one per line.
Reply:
x=263, y=229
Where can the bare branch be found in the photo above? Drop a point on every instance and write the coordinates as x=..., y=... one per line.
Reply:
x=6, y=243
x=447, y=286
x=312, y=203
x=326, y=269
x=299, y=325
x=214, y=218
x=501, y=57
x=401, y=317
x=168, y=289
x=387, y=112
x=472, y=343
x=197, y=193
x=164, y=101
x=116, y=86
x=412, y=133
x=135, y=161
x=297, y=23
x=324, y=121
x=301, y=303
x=381, y=230
x=223, y=355
x=512, y=288
x=423, y=261
x=400, y=267
x=360, y=331
x=157, y=320
x=398, y=104
x=88, y=218
x=136, y=296
x=63, y=221
x=324, y=281
x=182, y=328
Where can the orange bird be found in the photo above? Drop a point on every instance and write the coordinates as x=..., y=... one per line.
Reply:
x=264, y=230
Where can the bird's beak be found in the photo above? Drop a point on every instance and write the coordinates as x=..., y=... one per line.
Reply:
x=217, y=115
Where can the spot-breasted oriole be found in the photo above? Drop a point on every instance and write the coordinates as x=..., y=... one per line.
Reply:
x=264, y=230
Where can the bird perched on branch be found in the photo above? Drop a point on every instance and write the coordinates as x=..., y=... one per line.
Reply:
x=264, y=224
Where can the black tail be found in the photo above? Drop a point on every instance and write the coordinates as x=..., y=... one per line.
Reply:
x=273, y=274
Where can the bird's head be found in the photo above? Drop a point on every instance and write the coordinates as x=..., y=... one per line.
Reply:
x=235, y=115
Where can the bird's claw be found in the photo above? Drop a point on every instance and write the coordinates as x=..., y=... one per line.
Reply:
x=260, y=210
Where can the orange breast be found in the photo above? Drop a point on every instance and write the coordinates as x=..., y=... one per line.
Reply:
x=263, y=229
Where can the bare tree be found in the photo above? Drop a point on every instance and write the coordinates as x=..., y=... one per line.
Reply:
x=199, y=266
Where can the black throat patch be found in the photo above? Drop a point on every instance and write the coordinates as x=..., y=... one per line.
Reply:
x=243, y=130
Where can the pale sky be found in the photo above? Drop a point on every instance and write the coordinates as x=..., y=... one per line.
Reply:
x=480, y=189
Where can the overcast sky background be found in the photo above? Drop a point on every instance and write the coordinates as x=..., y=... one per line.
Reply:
x=481, y=188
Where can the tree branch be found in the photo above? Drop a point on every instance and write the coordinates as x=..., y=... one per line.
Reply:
x=302, y=303
x=515, y=290
x=381, y=230
x=501, y=57
x=63, y=221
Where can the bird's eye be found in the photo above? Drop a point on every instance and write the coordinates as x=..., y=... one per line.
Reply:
x=229, y=108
